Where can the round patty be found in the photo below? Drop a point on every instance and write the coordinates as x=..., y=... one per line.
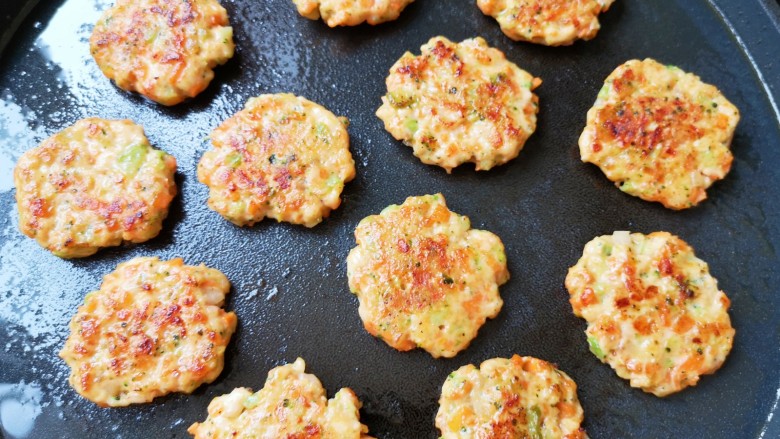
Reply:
x=292, y=404
x=548, y=22
x=424, y=278
x=654, y=312
x=460, y=102
x=659, y=133
x=154, y=327
x=281, y=157
x=521, y=397
x=163, y=49
x=94, y=184
x=351, y=12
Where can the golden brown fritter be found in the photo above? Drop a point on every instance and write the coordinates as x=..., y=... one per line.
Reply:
x=659, y=133
x=162, y=49
x=548, y=22
x=94, y=184
x=281, y=157
x=460, y=102
x=654, y=312
x=351, y=12
x=521, y=397
x=291, y=405
x=424, y=278
x=154, y=327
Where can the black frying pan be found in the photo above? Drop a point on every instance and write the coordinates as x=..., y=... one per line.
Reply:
x=545, y=205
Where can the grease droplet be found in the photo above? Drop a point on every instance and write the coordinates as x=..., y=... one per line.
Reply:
x=20, y=404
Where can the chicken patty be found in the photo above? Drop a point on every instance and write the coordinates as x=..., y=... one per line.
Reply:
x=165, y=50
x=659, y=133
x=521, y=397
x=548, y=22
x=154, y=327
x=460, y=102
x=424, y=278
x=94, y=184
x=282, y=157
x=351, y=12
x=292, y=404
x=654, y=312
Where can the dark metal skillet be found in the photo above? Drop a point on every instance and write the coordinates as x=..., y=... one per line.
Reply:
x=545, y=205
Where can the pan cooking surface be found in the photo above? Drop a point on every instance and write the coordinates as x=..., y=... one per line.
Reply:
x=289, y=283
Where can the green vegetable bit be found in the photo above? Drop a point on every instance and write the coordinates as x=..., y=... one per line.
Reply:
x=152, y=36
x=399, y=99
x=627, y=186
x=604, y=92
x=595, y=348
x=534, y=417
x=411, y=125
x=131, y=159
x=334, y=181
x=233, y=159
x=497, y=78
x=322, y=131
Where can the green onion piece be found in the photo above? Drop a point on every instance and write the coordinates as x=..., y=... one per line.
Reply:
x=595, y=348
x=399, y=99
x=411, y=125
x=131, y=159
x=334, y=181
x=322, y=130
x=604, y=92
x=497, y=78
x=627, y=186
x=535, y=422
x=233, y=159
x=150, y=39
